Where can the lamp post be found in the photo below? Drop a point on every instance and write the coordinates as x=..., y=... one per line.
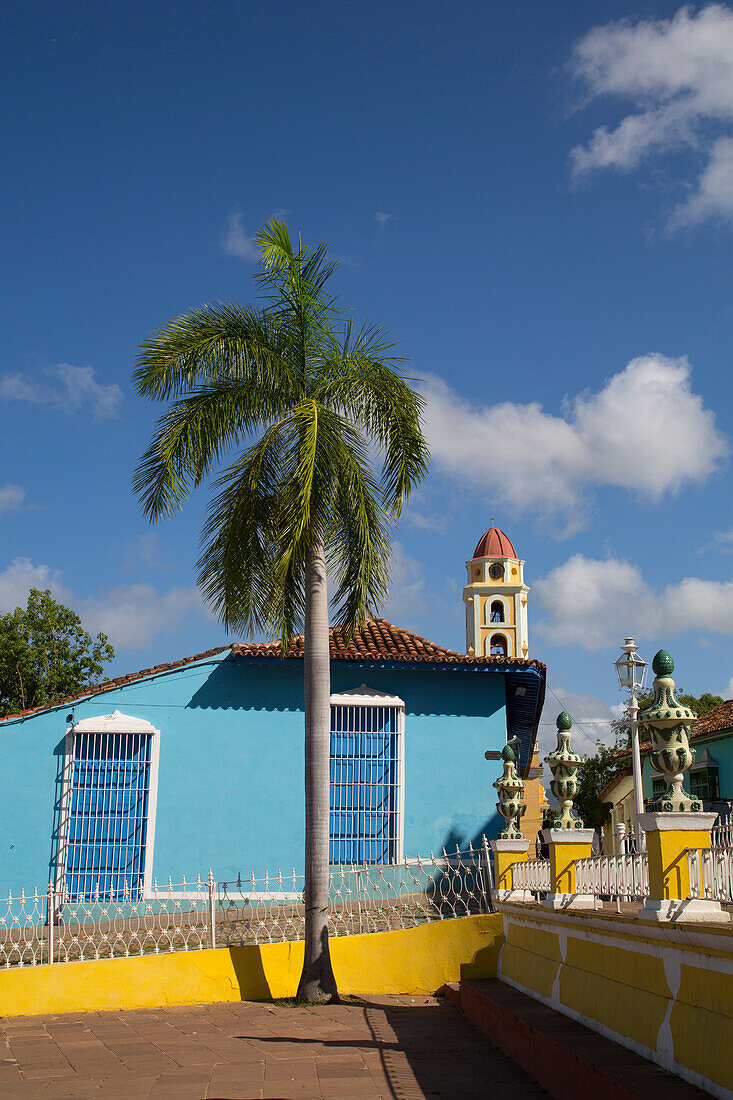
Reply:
x=631, y=672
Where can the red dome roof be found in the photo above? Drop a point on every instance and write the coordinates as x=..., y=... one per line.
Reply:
x=495, y=544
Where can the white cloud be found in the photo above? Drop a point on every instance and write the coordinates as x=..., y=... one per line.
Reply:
x=721, y=541
x=22, y=575
x=678, y=74
x=69, y=389
x=382, y=218
x=235, y=241
x=714, y=195
x=593, y=603
x=591, y=722
x=11, y=497
x=132, y=615
x=645, y=430
x=146, y=550
x=406, y=600
x=727, y=692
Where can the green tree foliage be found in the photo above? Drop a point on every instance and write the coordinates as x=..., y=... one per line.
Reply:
x=45, y=654
x=700, y=704
x=593, y=775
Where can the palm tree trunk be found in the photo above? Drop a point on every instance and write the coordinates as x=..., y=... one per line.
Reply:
x=317, y=982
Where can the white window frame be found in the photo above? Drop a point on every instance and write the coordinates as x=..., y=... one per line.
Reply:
x=108, y=723
x=503, y=634
x=496, y=597
x=364, y=696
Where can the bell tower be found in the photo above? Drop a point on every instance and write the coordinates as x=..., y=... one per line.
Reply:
x=496, y=599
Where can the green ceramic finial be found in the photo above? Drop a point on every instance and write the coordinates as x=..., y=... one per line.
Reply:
x=510, y=789
x=663, y=665
x=667, y=724
x=564, y=764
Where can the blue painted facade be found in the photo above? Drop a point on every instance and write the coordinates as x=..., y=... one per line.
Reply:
x=230, y=781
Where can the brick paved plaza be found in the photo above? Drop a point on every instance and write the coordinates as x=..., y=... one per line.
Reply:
x=393, y=1047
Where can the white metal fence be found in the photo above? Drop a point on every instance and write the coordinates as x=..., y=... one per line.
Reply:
x=711, y=873
x=532, y=875
x=722, y=835
x=193, y=915
x=619, y=878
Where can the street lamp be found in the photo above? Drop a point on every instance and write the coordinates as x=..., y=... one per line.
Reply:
x=631, y=672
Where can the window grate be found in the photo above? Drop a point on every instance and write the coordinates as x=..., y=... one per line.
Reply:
x=365, y=784
x=108, y=816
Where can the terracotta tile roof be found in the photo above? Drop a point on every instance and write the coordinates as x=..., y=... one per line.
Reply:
x=375, y=640
x=118, y=681
x=379, y=640
x=717, y=720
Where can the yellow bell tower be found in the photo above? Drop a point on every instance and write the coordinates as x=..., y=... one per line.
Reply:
x=496, y=599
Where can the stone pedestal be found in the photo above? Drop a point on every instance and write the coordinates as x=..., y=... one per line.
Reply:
x=668, y=836
x=506, y=854
x=567, y=845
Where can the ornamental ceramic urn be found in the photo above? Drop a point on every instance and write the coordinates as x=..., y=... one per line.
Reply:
x=666, y=722
x=564, y=764
x=510, y=788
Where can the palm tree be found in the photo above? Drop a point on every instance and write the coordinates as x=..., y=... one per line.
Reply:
x=297, y=401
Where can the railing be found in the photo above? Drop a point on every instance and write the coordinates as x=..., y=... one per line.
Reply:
x=721, y=835
x=620, y=878
x=711, y=873
x=193, y=915
x=532, y=875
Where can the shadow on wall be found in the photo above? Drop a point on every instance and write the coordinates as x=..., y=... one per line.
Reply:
x=250, y=973
x=241, y=684
x=457, y=839
x=59, y=753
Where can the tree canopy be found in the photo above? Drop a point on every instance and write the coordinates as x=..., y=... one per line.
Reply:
x=593, y=775
x=597, y=770
x=45, y=654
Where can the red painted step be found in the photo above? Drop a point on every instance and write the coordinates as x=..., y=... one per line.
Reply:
x=571, y=1061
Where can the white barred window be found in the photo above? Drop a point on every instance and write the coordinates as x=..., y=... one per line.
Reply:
x=108, y=809
x=367, y=777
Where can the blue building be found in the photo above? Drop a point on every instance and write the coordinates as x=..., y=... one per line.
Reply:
x=199, y=763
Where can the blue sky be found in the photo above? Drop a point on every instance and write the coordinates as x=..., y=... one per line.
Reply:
x=536, y=199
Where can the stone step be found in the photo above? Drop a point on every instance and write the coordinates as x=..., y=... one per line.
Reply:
x=570, y=1061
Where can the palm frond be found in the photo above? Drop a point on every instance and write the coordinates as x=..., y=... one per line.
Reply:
x=215, y=342
x=362, y=380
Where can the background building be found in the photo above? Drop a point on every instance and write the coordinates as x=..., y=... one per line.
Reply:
x=199, y=763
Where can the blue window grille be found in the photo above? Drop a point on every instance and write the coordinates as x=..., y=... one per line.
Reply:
x=108, y=816
x=365, y=784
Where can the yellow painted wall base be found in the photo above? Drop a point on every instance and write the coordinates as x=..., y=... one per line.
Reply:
x=666, y=993
x=503, y=864
x=563, y=855
x=668, y=869
x=414, y=960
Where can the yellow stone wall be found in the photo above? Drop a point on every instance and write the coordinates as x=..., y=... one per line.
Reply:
x=414, y=960
x=535, y=799
x=665, y=992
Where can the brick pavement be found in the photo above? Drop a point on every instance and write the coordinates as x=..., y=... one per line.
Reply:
x=397, y=1048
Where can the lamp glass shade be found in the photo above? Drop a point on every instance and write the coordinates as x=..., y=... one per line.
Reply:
x=631, y=671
